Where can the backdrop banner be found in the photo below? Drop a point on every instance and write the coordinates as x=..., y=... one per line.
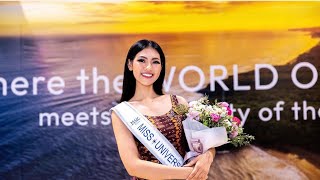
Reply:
x=61, y=65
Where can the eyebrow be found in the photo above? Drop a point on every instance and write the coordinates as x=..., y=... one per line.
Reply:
x=147, y=58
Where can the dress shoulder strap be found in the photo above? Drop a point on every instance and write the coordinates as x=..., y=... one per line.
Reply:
x=174, y=100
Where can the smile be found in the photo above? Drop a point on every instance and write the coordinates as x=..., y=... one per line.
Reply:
x=146, y=75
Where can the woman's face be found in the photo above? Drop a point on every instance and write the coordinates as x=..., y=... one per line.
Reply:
x=146, y=66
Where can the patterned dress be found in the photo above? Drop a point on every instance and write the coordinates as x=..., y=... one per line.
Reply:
x=170, y=125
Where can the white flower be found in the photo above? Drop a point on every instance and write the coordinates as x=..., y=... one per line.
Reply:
x=198, y=107
x=223, y=114
x=227, y=122
x=224, y=109
x=191, y=109
x=218, y=110
x=193, y=103
x=201, y=107
x=209, y=109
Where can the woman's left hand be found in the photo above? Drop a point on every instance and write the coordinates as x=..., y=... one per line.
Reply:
x=202, y=166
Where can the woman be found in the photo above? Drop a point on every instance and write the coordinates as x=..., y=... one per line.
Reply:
x=144, y=73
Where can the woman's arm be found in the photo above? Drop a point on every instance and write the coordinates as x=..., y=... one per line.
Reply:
x=134, y=165
x=202, y=164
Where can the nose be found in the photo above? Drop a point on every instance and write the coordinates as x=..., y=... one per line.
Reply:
x=148, y=66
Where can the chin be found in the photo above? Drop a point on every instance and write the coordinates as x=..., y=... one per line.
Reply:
x=147, y=84
x=144, y=83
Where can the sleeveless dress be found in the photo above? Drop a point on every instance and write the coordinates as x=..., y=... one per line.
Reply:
x=170, y=125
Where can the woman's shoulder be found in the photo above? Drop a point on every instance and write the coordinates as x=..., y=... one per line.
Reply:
x=116, y=108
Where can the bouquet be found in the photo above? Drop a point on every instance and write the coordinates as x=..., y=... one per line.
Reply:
x=210, y=125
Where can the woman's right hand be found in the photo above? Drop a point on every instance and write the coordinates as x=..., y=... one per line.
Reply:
x=201, y=166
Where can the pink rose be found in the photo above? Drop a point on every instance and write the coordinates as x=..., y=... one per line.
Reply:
x=234, y=134
x=237, y=120
x=229, y=111
x=215, y=117
x=223, y=104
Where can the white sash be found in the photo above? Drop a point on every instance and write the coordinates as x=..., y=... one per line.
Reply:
x=148, y=135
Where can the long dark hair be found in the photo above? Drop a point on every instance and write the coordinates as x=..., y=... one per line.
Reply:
x=129, y=82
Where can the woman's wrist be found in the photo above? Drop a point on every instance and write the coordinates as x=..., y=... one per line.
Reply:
x=211, y=153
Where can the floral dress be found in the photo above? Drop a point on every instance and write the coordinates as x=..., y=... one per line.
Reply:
x=170, y=125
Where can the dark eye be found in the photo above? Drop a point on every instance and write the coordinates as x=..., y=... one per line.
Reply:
x=156, y=62
x=140, y=60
